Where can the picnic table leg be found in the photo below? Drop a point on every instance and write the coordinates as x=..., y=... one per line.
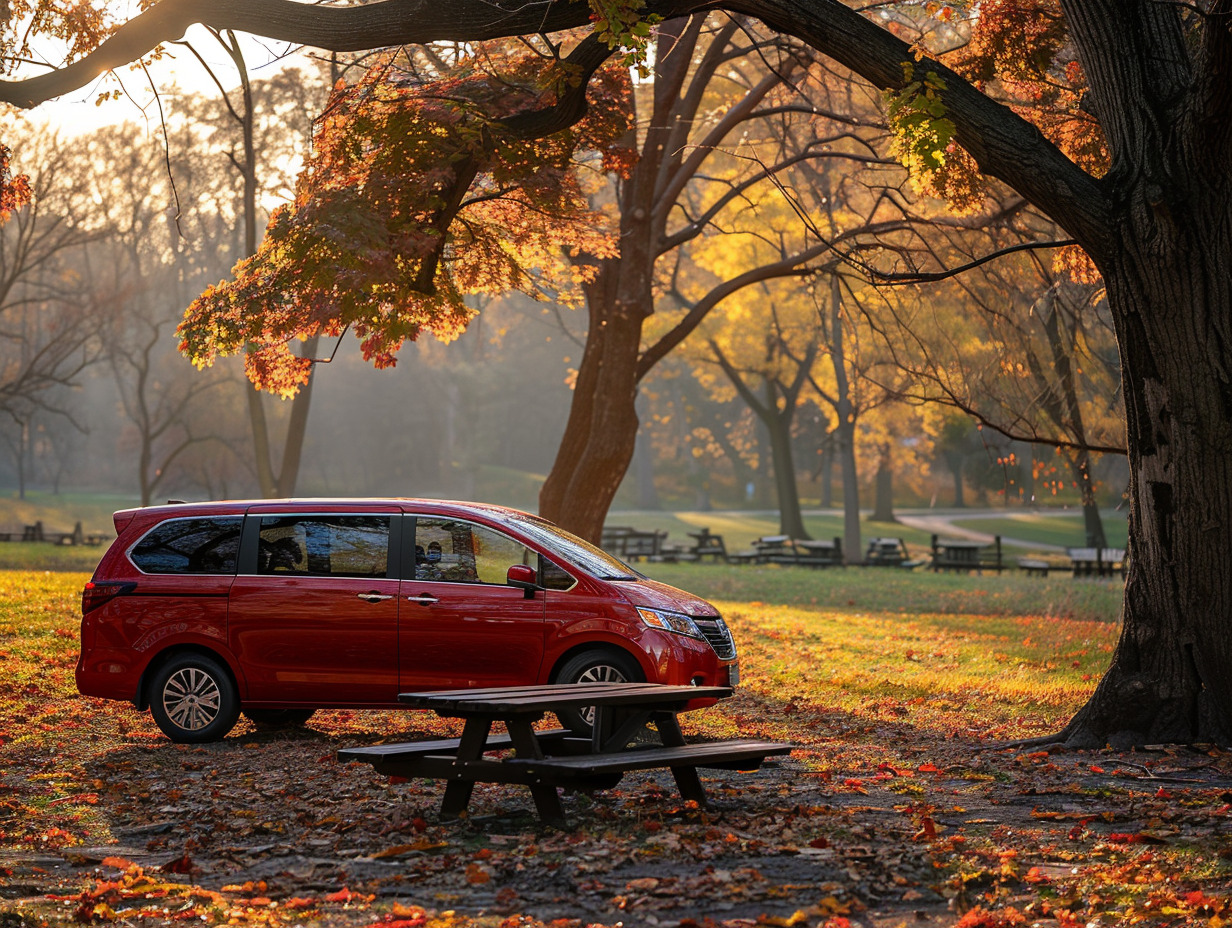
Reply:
x=613, y=730
x=687, y=780
x=547, y=801
x=470, y=747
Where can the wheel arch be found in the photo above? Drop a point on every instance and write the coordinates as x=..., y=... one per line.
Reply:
x=142, y=699
x=582, y=648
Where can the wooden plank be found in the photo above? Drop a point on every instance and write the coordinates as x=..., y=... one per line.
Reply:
x=724, y=754
x=407, y=749
x=522, y=700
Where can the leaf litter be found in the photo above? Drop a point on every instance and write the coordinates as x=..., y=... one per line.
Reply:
x=890, y=813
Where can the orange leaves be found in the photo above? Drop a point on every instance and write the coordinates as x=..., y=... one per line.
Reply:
x=420, y=192
x=999, y=918
x=1020, y=48
x=14, y=191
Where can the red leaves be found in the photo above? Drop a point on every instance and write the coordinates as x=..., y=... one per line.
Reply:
x=345, y=895
x=928, y=830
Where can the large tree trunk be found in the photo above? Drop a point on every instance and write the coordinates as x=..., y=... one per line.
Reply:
x=845, y=446
x=825, y=473
x=297, y=427
x=956, y=461
x=597, y=446
x=1171, y=295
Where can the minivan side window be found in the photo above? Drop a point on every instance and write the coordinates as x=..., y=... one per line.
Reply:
x=190, y=546
x=324, y=545
x=457, y=551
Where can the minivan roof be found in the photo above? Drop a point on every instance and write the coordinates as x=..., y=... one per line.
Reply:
x=304, y=504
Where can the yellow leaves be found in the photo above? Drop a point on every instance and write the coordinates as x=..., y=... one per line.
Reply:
x=923, y=140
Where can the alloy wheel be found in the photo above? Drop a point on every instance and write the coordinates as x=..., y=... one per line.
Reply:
x=191, y=698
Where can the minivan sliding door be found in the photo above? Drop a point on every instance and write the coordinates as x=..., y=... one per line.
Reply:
x=314, y=612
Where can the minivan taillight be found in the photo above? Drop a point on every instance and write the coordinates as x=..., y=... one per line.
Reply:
x=95, y=594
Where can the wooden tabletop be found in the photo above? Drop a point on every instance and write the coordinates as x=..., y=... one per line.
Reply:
x=525, y=699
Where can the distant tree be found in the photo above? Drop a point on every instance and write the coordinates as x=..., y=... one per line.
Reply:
x=1027, y=353
x=50, y=316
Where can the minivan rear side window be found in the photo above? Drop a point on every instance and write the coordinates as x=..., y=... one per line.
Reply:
x=189, y=546
x=324, y=545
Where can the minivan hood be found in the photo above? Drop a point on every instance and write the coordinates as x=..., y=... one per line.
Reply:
x=655, y=595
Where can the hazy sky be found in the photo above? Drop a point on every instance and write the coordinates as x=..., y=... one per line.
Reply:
x=179, y=70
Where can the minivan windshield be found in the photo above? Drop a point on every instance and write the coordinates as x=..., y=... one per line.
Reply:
x=577, y=551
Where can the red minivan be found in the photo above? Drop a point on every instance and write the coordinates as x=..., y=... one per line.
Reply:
x=276, y=608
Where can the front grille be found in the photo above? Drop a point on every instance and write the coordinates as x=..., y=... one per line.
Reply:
x=718, y=636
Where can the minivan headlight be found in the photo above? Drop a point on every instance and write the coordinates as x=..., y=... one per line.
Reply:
x=671, y=622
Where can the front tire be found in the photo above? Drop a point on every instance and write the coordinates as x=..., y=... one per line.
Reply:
x=600, y=665
x=193, y=699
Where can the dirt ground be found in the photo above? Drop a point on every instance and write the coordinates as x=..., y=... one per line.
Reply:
x=878, y=826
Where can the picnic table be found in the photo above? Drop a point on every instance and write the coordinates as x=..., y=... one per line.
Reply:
x=783, y=549
x=965, y=554
x=707, y=545
x=631, y=544
x=1097, y=562
x=889, y=552
x=547, y=760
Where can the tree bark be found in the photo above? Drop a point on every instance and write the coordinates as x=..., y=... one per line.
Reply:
x=791, y=519
x=883, y=488
x=1171, y=297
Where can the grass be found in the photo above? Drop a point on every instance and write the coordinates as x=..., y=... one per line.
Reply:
x=59, y=512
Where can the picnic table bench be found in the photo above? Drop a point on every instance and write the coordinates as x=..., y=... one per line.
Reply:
x=965, y=554
x=547, y=760
x=36, y=532
x=1097, y=562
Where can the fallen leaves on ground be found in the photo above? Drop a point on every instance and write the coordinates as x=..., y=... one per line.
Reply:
x=901, y=805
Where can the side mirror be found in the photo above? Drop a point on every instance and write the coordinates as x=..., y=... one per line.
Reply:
x=525, y=577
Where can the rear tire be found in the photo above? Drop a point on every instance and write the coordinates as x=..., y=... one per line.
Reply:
x=600, y=665
x=193, y=699
x=279, y=718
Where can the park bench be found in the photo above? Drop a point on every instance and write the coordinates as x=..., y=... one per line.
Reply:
x=795, y=552
x=967, y=555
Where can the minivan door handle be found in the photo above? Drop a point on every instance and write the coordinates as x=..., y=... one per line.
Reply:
x=424, y=599
x=374, y=597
